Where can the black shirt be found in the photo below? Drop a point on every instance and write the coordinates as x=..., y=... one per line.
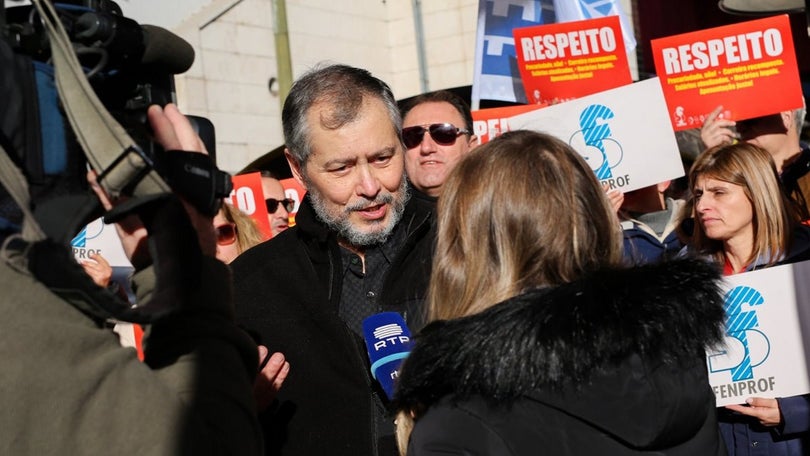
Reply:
x=358, y=298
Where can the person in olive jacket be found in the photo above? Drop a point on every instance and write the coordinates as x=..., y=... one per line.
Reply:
x=67, y=384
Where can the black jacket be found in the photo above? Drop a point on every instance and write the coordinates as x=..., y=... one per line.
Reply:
x=796, y=181
x=287, y=294
x=613, y=364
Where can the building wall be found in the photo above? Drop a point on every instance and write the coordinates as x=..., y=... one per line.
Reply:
x=236, y=56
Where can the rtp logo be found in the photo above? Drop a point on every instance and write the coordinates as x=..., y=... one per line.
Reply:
x=600, y=149
x=390, y=335
x=746, y=345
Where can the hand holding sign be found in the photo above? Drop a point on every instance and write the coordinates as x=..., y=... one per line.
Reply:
x=717, y=130
x=765, y=410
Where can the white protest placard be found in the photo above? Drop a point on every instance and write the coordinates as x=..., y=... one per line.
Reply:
x=624, y=134
x=763, y=355
x=98, y=238
x=101, y=239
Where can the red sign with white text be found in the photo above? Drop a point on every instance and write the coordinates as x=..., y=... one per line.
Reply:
x=247, y=195
x=491, y=122
x=749, y=68
x=568, y=60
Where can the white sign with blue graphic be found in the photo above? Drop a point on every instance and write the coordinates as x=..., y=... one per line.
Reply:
x=763, y=354
x=98, y=238
x=624, y=134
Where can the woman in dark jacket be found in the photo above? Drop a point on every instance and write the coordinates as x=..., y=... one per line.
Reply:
x=745, y=221
x=541, y=342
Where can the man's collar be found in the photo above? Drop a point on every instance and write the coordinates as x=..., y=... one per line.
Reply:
x=420, y=195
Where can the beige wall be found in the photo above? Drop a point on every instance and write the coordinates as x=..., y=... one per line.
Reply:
x=234, y=41
x=235, y=59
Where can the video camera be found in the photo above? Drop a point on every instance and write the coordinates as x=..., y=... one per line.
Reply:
x=129, y=67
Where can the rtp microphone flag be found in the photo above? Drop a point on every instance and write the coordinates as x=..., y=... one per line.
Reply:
x=388, y=341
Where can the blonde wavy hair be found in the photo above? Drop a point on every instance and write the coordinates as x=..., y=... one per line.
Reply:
x=247, y=231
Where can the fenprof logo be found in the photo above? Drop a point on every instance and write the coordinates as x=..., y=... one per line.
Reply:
x=89, y=232
x=598, y=146
x=747, y=345
x=80, y=240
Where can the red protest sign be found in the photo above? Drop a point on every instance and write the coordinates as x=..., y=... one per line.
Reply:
x=569, y=60
x=491, y=122
x=247, y=195
x=748, y=67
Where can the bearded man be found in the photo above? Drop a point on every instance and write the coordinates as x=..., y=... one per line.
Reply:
x=359, y=247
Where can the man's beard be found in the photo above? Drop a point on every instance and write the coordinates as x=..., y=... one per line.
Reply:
x=341, y=224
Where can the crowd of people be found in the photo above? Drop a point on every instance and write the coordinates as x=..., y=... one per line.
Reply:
x=508, y=260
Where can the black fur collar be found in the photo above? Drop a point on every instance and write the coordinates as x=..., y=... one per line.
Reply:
x=551, y=337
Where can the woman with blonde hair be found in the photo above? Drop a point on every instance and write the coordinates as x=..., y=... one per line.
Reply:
x=236, y=232
x=745, y=221
x=540, y=341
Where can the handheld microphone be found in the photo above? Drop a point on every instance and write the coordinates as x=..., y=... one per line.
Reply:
x=166, y=50
x=388, y=341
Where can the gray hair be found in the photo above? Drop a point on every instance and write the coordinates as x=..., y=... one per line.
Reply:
x=799, y=117
x=343, y=89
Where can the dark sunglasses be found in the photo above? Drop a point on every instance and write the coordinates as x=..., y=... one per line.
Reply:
x=226, y=234
x=272, y=205
x=444, y=134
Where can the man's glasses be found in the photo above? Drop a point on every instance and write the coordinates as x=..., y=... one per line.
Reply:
x=272, y=205
x=226, y=234
x=444, y=134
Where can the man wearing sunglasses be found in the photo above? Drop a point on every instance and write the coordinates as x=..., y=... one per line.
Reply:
x=778, y=134
x=437, y=131
x=278, y=205
x=360, y=247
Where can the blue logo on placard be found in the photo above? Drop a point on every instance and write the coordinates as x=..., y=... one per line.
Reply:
x=751, y=346
x=602, y=151
x=91, y=231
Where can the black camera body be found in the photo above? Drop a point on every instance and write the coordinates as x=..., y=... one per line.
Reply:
x=129, y=67
x=111, y=48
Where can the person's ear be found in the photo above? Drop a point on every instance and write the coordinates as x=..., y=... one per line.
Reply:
x=663, y=186
x=787, y=119
x=295, y=167
x=472, y=142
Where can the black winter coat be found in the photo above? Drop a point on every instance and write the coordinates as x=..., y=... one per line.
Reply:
x=612, y=364
x=287, y=294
